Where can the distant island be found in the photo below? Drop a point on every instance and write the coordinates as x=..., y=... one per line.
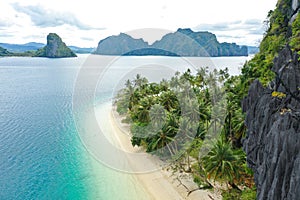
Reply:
x=183, y=42
x=33, y=46
x=55, y=48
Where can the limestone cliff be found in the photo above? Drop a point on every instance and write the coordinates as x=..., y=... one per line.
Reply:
x=273, y=137
x=55, y=48
x=183, y=42
x=272, y=143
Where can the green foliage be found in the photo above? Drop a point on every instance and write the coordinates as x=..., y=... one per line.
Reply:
x=249, y=194
x=188, y=106
x=233, y=194
x=223, y=163
x=295, y=39
x=274, y=40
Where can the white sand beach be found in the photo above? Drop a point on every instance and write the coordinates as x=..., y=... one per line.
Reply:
x=158, y=182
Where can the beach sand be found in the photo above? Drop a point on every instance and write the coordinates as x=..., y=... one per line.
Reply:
x=160, y=183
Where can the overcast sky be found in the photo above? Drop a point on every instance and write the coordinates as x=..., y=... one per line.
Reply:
x=84, y=22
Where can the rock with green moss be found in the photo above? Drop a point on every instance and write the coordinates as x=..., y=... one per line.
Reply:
x=273, y=112
x=55, y=48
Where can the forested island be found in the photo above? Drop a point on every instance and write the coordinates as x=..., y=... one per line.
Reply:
x=55, y=48
x=183, y=42
x=180, y=118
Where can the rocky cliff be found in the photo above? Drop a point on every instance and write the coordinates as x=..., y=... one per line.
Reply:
x=183, y=42
x=273, y=136
x=55, y=48
x=119, y=45
x=272, y=143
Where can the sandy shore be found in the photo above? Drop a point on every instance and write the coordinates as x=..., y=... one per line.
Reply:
x=160, y=183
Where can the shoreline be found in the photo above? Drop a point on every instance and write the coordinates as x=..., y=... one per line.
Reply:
x=162, y=183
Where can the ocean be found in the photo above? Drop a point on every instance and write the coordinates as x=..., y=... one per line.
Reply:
x=42, y=104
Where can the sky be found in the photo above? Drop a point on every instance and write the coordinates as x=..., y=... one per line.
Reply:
x=85, y=22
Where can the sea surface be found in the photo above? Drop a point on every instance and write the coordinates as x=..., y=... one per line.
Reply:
x=43, y=101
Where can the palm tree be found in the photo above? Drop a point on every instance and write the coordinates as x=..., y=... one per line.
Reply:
x=191, y=110
x=139, y=80
x=157, y=116
x=223, y=163
x=160, y=140
x=238, y=127
x=169, y=100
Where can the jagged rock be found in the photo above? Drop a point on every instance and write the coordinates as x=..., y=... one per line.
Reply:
x=55, y=48
x=272, y=143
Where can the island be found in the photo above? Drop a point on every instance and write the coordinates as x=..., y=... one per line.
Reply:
x=183, y=42
x=55, y=48
x=4, y=52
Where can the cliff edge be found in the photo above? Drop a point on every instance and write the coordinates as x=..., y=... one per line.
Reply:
x=272, y=143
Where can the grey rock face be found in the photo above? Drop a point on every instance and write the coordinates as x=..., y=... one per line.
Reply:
x=272, y=143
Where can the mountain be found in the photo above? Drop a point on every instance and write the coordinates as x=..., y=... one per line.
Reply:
x=186, y=42
x=81, y=50
x=55, y=48
x=183, y=42
x=18, y=48
x=252, y=50
x=119, y=45
x=272, y=106
x=33, y=46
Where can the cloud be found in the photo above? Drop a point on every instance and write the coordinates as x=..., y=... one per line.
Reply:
x=87, y=38
x=4, y=24
x=230, y=36
x=43, y=18
x=251, y=26
x=5, y=35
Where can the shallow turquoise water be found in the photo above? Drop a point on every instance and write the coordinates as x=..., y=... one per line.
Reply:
x=41, y=155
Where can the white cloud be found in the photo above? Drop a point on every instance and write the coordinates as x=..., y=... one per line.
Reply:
x=43, y=17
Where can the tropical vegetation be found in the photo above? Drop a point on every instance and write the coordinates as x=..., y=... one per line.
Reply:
x=196, y=119
x=193, y=120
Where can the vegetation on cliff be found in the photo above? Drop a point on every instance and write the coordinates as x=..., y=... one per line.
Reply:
x=272, y=106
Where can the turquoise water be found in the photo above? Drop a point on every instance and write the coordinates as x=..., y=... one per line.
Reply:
x=42, y=156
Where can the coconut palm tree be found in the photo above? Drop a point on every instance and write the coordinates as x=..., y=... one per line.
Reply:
x=223, y=163
x=169, y=100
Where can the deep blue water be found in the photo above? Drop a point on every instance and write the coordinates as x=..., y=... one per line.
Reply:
x=41, y=156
